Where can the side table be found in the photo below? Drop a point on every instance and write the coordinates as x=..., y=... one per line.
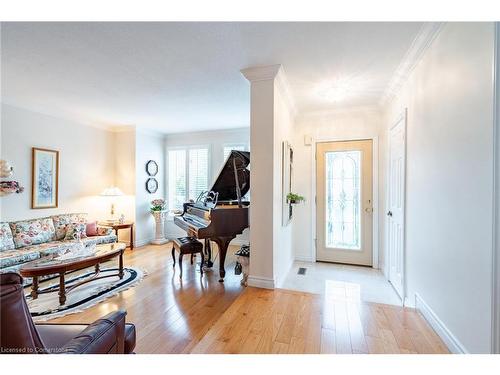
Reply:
x=117, y=226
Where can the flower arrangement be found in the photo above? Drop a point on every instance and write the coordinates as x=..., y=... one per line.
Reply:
x=294, y=198
x=8, y=187
x=158, y=205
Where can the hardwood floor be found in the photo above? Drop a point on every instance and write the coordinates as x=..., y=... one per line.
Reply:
x=201, y=315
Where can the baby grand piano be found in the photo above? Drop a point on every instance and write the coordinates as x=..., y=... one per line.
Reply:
x=220, y=214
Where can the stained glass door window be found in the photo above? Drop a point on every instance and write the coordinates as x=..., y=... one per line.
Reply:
x=343, y=200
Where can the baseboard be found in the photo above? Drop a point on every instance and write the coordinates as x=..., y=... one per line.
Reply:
x=449, y=339
x=239, y=242
x=301, y=258
x=143, y=242
x=261, y=282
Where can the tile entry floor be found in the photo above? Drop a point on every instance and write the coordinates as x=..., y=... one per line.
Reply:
x=360, y=283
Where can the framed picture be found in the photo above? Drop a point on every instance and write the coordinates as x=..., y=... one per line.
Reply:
x=45, y=178
x=151, y=168
x=151, y=185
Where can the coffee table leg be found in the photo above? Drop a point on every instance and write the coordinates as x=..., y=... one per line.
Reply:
x=97, y=268
x=62, y=290
x=120, y=266
x=34, y=288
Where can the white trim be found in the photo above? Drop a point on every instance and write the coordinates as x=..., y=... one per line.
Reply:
x=261, y=73
x=453, y=344
x=276, y=73
x=261, y=282
x=426, y=35
x=302, y=258
x=375, y=225
x=145, y=242
x=495, y=300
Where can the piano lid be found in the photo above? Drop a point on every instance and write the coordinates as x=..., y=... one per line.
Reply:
x=225, y=183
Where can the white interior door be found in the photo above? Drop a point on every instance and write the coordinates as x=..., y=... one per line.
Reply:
x=396, y=205
x=344, y=211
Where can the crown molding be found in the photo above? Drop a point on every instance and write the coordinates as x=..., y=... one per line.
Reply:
x=276, y=73
x=261, y=73
x=426, y=35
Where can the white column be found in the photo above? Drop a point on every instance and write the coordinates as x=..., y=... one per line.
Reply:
x=268, y=240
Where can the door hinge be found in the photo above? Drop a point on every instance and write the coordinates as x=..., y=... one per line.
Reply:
x=315, y=200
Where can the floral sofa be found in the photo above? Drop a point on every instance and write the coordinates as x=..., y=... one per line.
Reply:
x=27, y=240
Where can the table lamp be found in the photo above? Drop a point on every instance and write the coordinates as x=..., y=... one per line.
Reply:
x=112, y=191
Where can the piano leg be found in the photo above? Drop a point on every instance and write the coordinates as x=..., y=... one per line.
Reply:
x=208, y=254
x=222, y=243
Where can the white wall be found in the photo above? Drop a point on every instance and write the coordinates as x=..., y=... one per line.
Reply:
x=148, y=146
x=283, y=255
x=355, y=123
x=449, y=180
x=86, y=162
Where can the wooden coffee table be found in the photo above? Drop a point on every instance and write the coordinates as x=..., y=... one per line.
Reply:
x=52, y=264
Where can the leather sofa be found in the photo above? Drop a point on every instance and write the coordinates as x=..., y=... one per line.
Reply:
x=20, y=335
x=27, y=240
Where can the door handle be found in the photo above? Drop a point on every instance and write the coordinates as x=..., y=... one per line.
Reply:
x=389, y=213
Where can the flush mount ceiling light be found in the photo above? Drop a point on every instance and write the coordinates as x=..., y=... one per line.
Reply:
x=339, y=89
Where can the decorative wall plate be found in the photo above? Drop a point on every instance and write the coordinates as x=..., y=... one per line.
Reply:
x=152, y=168
x=151, y=185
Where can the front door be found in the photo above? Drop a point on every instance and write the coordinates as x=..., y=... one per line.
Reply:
x=344, y=211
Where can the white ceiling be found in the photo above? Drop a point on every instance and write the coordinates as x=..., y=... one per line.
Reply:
x=177, y=77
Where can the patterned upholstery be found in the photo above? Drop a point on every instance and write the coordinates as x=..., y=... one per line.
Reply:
x=12, y=257
x=98, y=240
x=6, y=239
x=73, y=230
x=27, y=240
x=32, y=232
x=62, y=221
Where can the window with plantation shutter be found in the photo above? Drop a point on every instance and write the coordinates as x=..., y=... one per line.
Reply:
x=176, y=179
x=197, y=172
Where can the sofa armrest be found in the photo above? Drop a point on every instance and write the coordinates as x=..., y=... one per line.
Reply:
x=104, y=336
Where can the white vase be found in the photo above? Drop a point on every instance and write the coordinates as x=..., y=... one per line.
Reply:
x=159, y=227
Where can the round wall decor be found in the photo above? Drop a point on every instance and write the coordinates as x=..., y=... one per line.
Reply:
x=151, y=168
x=151, y=185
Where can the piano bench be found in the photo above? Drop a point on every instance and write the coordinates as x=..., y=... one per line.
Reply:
x=187, y=245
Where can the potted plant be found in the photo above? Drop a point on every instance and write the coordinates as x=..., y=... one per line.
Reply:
x=293, y=198
x=159, y=210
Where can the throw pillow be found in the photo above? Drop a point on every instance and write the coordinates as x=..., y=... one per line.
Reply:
x=91, y=230
x=104, y=231
x=74, y=230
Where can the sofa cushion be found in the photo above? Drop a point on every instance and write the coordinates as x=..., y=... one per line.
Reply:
x=62, y=221
x=104, y=231
x=9, y=258
x=52, y=247
x=75, y=231
x=98, y=240
x=32, y=232
x=6, y=239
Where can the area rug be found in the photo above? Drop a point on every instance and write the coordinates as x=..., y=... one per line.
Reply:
x=46, y=306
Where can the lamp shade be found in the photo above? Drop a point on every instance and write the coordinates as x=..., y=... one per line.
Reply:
x=111, y=191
